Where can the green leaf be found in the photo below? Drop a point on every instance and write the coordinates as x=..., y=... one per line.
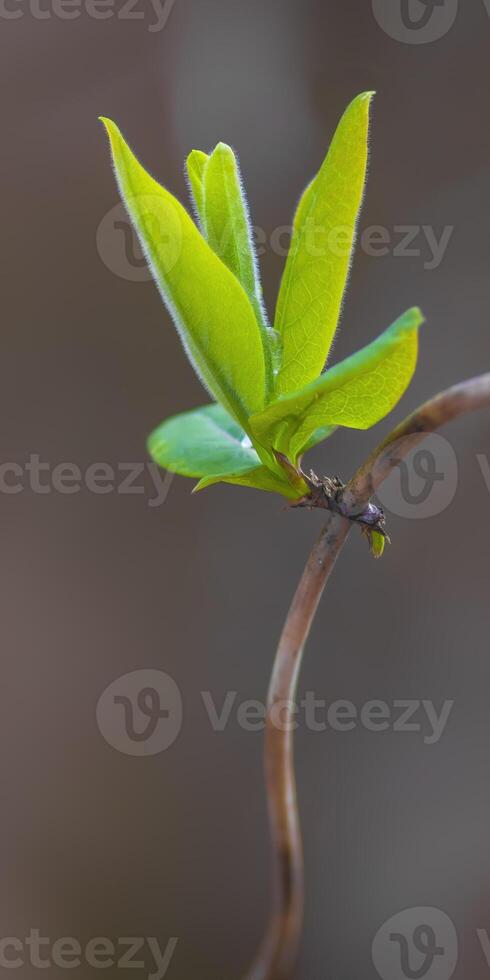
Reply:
x=204, y=442
x=317, y=266
x=259, y=479
x=195, y=164
x=319, y=435
x=208, y=443
x=377, y=543
x=228, y=231
x=356, y=393
x=210, y=308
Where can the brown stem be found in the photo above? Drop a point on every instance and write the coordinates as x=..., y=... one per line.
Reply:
x=278, y=954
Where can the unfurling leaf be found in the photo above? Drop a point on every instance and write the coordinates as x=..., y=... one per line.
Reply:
x=195, y=164
x=227, y=221
x=228, y=231
x=356, y=393
x=317, y=266
x=210, y=308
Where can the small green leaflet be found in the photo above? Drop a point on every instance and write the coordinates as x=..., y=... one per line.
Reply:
x=356, y=393
x=317, y=266
x=227, y=222
x=227, y=228
x=221, y=207
x=195, y=164
x=210, y=307
x=377, y=543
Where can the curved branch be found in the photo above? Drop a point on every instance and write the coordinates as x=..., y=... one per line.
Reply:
x=468, y=396
x=278, y=954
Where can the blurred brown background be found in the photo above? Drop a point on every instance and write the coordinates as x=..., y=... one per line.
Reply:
x=96, y=842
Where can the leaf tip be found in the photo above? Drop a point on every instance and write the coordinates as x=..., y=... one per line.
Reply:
x=363, y=97
x=415, y=316
x=111, y=129
x=197, y=156
x=108, y=123
x=222, y=149
x=203, y=483
x=409, y=321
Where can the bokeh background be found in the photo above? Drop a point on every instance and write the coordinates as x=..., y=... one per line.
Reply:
x=96, y=842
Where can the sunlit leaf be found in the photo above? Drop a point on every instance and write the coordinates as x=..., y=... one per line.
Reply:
x=317, y=266
x=210, y=308
x=356, y=393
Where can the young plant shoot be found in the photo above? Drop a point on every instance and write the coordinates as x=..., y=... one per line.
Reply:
x=273, y=398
